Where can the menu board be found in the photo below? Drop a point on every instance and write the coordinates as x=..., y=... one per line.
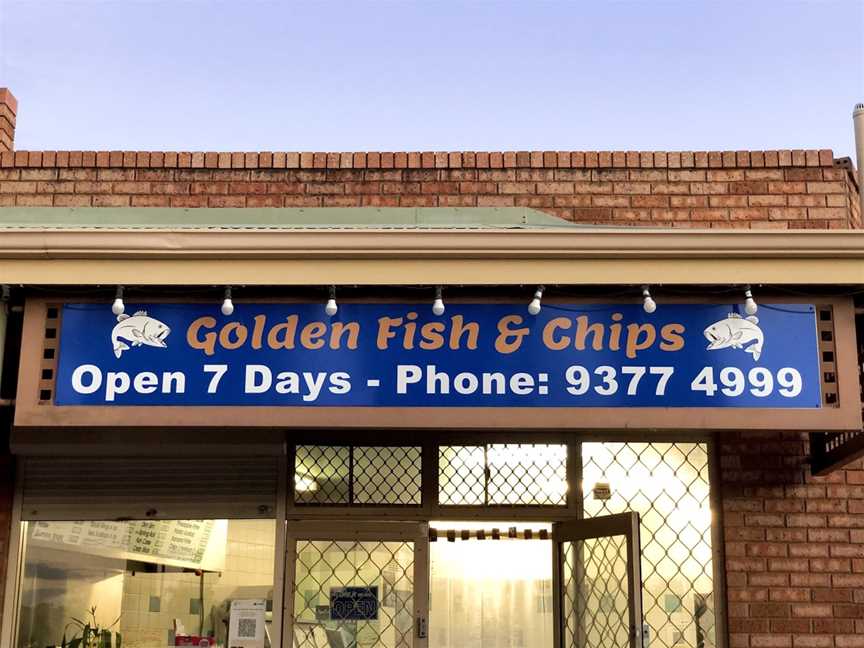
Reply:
x=175, y=541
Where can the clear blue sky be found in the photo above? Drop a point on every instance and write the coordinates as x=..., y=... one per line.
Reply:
x=437, y=75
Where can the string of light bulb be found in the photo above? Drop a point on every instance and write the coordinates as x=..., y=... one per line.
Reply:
x=331, y=307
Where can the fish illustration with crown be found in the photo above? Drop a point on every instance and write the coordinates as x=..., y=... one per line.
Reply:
x=736, y=332
x=138, y=329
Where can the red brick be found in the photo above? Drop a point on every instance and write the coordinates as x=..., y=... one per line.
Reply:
x=516, y=187
x=226, y=201
x=649, y=201
x=771, y=641
x=725, y=175
x=151, y=201
x=789, y=625
x=826, y=187
x=768, y=610
x=709, y=188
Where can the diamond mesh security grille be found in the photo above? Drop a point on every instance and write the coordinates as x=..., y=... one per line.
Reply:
x=462, y=475
x=385, y=475
x=360, y=475
x=595, y=601
x=503, y=474
x=667, y=484
x=322, y=475
x=379, y=613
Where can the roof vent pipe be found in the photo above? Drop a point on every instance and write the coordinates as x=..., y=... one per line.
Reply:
x=858, y=122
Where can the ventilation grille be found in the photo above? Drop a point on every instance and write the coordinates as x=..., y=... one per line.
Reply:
x=111, y=488
x=827, y=355
x=50, y=345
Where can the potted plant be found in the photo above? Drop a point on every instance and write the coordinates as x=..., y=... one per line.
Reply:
x=89, y=634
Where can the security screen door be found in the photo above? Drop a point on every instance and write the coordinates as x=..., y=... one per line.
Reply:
x=356, y=584
x=596, y=577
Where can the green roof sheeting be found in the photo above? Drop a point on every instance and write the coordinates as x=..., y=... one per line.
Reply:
x=279, y=218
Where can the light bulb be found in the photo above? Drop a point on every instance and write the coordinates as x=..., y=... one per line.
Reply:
x=534, y=307
x=118, y=307
x=648, y=304
x=438, y=304
x=331, y=307
x=227, y=304
x=750, y=305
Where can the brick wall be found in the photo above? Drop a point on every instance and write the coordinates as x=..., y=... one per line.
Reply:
x=745, y=189
x=8, y=108
x=794, y=545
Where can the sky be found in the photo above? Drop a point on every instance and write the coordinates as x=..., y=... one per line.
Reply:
x=435, y=75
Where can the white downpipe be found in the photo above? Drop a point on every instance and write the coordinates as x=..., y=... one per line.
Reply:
x=858, y=122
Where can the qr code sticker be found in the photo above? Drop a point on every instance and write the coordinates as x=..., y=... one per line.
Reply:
x=247, y=628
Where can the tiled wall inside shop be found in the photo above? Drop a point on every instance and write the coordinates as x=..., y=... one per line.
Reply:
x=151, y=601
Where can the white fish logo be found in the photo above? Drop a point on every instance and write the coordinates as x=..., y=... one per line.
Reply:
x=736, y=332
x=138, y=329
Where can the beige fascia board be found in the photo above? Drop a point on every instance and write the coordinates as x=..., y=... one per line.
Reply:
x=387, y=256
x=389, y=243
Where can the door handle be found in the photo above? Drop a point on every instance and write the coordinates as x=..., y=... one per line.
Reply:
x=421, y=628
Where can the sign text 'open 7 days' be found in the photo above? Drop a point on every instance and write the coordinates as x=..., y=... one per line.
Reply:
x=402, y=355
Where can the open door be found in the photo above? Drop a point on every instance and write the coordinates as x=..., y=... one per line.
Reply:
x=597, y=582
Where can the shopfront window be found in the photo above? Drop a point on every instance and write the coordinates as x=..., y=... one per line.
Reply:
x=668, y=485
x=148, y=583
x=357, y=475
x=515, y=474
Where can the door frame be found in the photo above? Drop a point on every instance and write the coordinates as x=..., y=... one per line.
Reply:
x=360, y=530
x=626, y=524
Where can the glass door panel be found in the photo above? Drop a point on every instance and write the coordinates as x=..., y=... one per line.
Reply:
x=355, y=587
x=599, y=602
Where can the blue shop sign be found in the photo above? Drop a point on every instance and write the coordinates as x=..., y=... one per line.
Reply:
x=474, y=355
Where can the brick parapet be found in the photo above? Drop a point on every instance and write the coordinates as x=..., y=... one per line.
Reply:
x=768, y=189
x=423, y=160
